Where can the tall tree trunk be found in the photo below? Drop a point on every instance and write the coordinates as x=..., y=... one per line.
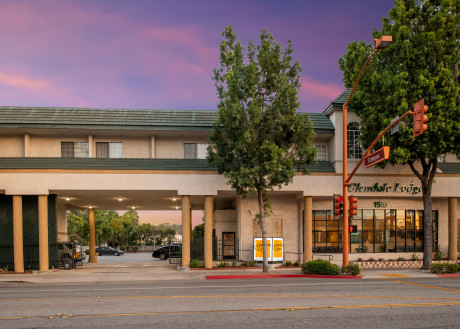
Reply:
x=260, y=199
x=426, y=178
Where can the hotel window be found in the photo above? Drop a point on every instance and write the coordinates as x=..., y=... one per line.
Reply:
x=379, y=230
x=74, y=149
x=109, y=150
x=321, y=154
x=195, y=151
x=355, y=149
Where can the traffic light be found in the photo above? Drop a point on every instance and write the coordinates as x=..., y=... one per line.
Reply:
x=353, y=228
x=352, y=206
x=338, y=205
x=420, y=118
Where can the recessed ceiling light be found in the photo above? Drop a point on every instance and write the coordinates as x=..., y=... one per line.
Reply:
x=174, y=199
x=177, y=207
x=67, y=199
x=90, y=207
x=133, y=207
x=120, y=199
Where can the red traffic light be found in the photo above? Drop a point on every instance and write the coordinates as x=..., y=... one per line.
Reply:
x=338, y=205
x=353, y=228
x=420, y=118
x=352, y=206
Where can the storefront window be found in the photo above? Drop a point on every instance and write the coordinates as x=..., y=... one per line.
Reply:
x=379, y=230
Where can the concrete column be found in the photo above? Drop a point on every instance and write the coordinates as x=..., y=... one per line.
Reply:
x=43, y=246
x=452, y=254
x=92, y=237
x=307, y=229
x=18, y=244
x=186, y=233
x=61, y=217
x=26, y=145
x=208, y=214
x=91, y=153
x=152, y=147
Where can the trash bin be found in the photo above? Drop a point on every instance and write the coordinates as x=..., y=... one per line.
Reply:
x=67, y=264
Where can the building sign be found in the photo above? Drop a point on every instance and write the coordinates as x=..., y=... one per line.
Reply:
x=274, y=249
x=385, y=188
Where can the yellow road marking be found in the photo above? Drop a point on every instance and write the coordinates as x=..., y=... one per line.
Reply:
x=424, y=285
x=396, y=275
x=243, y=310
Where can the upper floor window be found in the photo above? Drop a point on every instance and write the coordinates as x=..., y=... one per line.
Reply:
x=195, y=151
x=355, y=150
x=321, y=154
x=109, y=150
x=74, y=149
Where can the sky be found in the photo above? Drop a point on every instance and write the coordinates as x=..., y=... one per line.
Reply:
x=157, y=54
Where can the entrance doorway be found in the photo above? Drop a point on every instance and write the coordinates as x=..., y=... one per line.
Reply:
x=228, y=245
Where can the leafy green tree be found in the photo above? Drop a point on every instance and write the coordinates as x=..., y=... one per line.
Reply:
x=198, y=231
x=145, y=233
x=163, y=232
x=78, y=226
x=259, y=138
x=103, y=220
x=130, y=221
x=422, y=62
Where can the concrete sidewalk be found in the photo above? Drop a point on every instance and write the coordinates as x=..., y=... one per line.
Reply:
x=94, y=274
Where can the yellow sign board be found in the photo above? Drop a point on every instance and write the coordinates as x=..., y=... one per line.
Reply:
x=275, y=250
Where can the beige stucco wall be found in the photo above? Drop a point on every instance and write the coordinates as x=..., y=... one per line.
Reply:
x=12, y=146
x=225, y=221
x=41, y=146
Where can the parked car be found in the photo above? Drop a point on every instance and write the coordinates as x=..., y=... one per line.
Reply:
x=108, y=251
x=164, y=252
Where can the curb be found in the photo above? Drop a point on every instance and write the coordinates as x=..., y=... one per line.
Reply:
x=448, y=275
x=268, y=276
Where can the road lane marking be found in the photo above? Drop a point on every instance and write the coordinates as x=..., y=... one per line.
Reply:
x=424, y=285
x=328, y=307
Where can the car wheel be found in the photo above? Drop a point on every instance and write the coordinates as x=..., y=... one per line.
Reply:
x=162, y=256
x=116, y=254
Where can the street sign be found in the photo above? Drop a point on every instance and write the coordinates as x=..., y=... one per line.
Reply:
x=395, y=128
x=377, y=157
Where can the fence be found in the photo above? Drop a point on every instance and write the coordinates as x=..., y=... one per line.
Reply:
x=31, y=257
x=221, y=250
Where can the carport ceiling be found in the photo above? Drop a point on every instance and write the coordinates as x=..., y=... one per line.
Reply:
x=125, y=200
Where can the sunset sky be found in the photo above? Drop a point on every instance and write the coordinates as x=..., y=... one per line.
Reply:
x=159, y=54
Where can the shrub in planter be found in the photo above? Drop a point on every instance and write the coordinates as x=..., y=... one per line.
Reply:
x=296, y=263
x=195, y=263
x=135, y=249
x=352, y=269
x=322, y=267
x=444, y=268
x=251, y=263
x=288, y=263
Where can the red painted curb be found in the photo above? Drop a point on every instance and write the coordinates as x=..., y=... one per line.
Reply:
x=266, y=276
x=448, y=275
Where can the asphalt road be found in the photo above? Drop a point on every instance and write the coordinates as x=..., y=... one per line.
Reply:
x=250, y=303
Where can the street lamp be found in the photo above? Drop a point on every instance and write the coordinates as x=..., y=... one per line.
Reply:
x=381, y=43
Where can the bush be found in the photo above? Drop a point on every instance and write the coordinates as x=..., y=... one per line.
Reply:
x=444, y=268
x=195, y=263
x=233, y=263
x=322, y=267
x=244, y=264
x=122, y=248
x=251, y=263
x=135, y=249
x=221, y=264
x=414, y=257
x=288, y=263
x=87, y=251
x=351, y=269
x=296, y=263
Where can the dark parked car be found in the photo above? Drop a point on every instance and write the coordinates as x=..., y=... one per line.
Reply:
x=164, y=252
x=108, y=251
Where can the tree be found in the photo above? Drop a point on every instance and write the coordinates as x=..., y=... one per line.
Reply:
x=163, y=232
x=103, y=220
x=422, y=62
x=78, y=226
x=130, y=221
x=259, y=138
x=198, y=231
x=145, y=232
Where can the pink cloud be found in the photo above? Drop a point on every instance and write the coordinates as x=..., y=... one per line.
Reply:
x=315, y=90
x=41, y=87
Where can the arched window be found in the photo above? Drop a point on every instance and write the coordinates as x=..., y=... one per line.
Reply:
x=355, y=150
